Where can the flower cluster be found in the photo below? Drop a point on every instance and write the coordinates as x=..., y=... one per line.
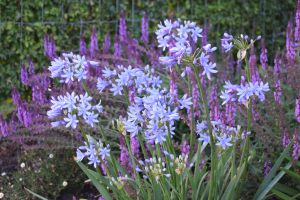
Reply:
x=94, y=152
x=176, y=36
x=244, y=91
x=70, y=67
x=120, y=182
x=224, y=134
x=73, y=106
x=153, y=168
x=242, y=43
x=153, y=110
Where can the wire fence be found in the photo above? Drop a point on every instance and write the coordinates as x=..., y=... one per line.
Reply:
x=133, y=21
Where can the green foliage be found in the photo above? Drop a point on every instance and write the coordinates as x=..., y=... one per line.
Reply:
x=62, y=19
x=43, y=175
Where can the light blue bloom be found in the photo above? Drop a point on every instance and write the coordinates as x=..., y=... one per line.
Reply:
x=229, y=87
x=200, y=126
x=93, y=160
x=244, y=91
x=208, y=48
x=55, y=124
x=98, y=107
x=227, y=46
x=83, y=110
x=70, y=101
x=164, y=42
x=167, y=60
x=79, y=155
x=85, y=99
x=80, y=61
x=101, y=84
x=104, y=152
x=223, y=141
x=205, y=138
x=209, y=69
x=195, y=33
x=68, y=74
x=183, y=31
x=156, y=82
x=81, y=74
x=117, y=89
x=72, y=121
x=225, y=96
x=185, y=102
x=91, y=119
x=203, y=59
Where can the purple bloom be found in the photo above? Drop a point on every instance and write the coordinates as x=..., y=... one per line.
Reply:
x=83, y=50
x=3, y=124
x=144, y=28
x=24, y=74
x=122, y=28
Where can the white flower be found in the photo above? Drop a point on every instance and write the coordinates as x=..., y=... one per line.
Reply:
x=22, y=165
x=65, y=183
x=3, y=174
x=20, y=179
x=51, y=155
x=1, y=195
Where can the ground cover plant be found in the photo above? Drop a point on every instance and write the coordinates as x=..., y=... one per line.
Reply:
x=164, y=120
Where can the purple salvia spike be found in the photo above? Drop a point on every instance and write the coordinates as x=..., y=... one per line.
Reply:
x=296, y=145
x=297, y=109
x=107, y=42
x=53, y=47
x=24, y=74
x=267, y=165
x=94, y=43
x=31, y=67
x=46, y=44
x=286, y=139
x=263, y=55
x=118, y=49
x=3, y=125
x=186, y=148
x=135, y=145
x=122, y=28
x=297, y=29
x=145, y=29
x=83, y=49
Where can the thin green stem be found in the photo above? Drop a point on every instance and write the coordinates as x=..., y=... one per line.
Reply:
x=192, y=120
x=126, y=96
x=247, y=143
x=212, y=143
x=102, y=131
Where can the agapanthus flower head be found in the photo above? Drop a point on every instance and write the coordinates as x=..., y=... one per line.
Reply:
x=70, y=104
x=70, y=67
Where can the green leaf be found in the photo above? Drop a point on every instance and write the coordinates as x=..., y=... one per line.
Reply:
x=274, y=181
x=229, y=190
x=294, y=197
x=288, y=190
x=262, y=191
x=280, y=194
x=96, y=183
x=34, y=194
x=200, y=184
x=104, y=181
x=291, y=173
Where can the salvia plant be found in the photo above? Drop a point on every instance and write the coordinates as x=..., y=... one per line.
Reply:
x=150, y=165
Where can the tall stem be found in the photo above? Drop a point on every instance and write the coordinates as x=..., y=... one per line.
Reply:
x=192, y=120
x=102, y=131
x=212, y=143
x=247, y=143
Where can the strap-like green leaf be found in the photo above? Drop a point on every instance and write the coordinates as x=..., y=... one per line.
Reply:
x=281, y=195
x=273, y=182
x=229, y=190
x=291, y=173
x=34, y=194
x=271, y=174
x=96, y=183
x=294, y=197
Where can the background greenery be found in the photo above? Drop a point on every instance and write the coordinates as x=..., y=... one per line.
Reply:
x=23, y=23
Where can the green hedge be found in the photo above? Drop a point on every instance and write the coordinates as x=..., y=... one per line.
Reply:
x=234, y=16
